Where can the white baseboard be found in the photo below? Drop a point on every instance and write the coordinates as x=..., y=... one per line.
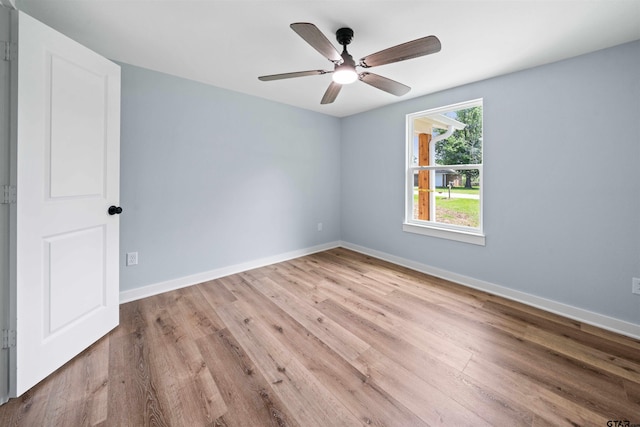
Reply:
x=605, y=322
x=194, y=279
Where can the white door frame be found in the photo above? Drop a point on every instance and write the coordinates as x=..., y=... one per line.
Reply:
x=8, y=18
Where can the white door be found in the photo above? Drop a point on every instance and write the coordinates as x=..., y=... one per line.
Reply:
x=67, y=245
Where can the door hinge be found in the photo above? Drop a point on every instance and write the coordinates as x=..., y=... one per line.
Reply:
x=10, y=51
x=8, y=338
x=8, y=194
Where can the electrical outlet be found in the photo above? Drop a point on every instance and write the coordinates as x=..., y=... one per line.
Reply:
x=132, y=258
x=319, y=226
x=635, y=285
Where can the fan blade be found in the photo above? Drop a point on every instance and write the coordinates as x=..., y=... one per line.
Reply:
x=401, y=52
x=385, y=84
x=332, y=92
x=291, y=75
x=312, y=35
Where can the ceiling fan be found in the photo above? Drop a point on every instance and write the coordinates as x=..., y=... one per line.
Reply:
x=344, y=71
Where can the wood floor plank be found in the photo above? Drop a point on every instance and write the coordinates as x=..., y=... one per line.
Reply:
x=543, y=402
x=534, y=312
x=309, y=402
x=430, y=404
x=89, y=372
x=411, y=281
x=473, y=309
x=569, y=378
x=347, y=271
x=623, y=367
x=557, y=372
x=303, y=287
x=387, y=316
x=95, y=373
x=134, y=390
x=339, y=338
x=28, y=409
x=369, y=403
x=57, y=402
x=183, y=371
x=194, y=310
x=247, y=394
x=215, y=293
x=491, y=407
x=474, y=334
x=627, y=349
x=331, y=333
x=632, y=391
x=608, y=336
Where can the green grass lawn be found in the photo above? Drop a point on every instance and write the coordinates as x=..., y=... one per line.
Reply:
x=465, y=212
x=458, y=211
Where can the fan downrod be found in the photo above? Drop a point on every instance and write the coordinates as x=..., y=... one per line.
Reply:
x=344, y=36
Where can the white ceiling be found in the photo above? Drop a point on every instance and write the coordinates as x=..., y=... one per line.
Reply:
x=230, y=43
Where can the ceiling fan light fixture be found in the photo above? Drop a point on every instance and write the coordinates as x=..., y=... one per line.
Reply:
x=344, y=71
x=345, y=75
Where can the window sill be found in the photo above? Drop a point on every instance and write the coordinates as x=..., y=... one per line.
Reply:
x=443, y=233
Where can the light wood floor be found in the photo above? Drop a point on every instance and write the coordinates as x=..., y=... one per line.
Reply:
x=338, y=338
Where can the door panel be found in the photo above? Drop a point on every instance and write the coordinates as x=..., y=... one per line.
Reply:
x=63, y=276
x=76, y=144
x=68, y=157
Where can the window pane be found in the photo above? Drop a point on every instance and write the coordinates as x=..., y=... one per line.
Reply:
x=415, y=196
x=423, y=200
x=413, y=160
x=464, y=146
x=457, y=198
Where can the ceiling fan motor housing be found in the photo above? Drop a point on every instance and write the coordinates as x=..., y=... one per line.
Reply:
x=344, y=36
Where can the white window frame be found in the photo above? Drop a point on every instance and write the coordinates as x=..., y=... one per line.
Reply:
x=458, y=233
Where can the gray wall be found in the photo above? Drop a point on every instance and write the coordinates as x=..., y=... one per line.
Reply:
x=561, y=186
x=211, y=178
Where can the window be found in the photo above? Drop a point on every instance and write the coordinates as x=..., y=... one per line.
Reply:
x=444, y=173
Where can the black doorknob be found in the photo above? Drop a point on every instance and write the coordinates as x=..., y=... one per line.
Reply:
x=113, y=210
